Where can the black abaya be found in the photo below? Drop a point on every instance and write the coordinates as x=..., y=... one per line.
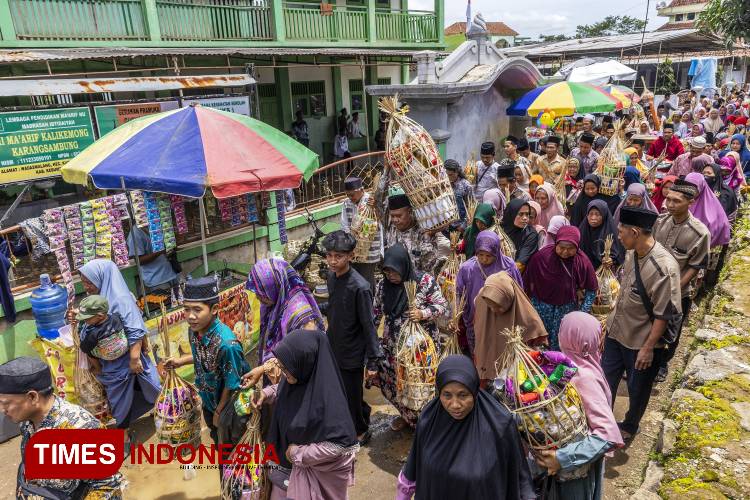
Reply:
x=525, y=240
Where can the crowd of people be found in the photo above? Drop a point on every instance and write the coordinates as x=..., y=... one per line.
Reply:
x=533, y=228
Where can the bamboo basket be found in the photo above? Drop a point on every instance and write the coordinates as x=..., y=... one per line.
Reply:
x=177, y=411
x=240, y=480
x=556, y=417
x=365, y=229
x=609, y=287
x=611, y=166
x=413, y=156
x=452, y=345
x=447, y=276
x=416, y=361
x=90, y=392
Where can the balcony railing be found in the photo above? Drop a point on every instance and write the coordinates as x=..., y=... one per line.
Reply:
x=78, y=20
x=154, y=23
x=193, y=21
x=308, y=22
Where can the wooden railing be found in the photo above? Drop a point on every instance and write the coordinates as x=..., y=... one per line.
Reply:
x=78, y=20
x=308, y=22
x=411, y=26
x=189, y=20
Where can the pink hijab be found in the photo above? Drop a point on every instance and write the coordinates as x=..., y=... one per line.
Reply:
x=579, y=340
x=553, y=207
x=555, y=224
x=709, y=211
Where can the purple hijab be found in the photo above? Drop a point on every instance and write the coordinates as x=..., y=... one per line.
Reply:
x=709, y=211
x=471, y=274
x=293, y=304
x=636, y=189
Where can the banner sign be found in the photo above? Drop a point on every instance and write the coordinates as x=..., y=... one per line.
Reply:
x=240, y=104
x=110, y=117
x=35, y=144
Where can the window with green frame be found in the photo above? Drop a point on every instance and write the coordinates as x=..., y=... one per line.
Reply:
x=356, y=96
x=309, y=97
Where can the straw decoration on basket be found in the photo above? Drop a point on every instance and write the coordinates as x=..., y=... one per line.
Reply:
x=452, y=345
x=416, y=360
x=364, y=228
x=90, y=392
x=611, y=165
x=609, y=287
x=242, y=478
x=560, y=192
x=413, y=156
x=506, y=244
x=471, y=210
x=536, y=387
x=470, y=170
x=177, y=411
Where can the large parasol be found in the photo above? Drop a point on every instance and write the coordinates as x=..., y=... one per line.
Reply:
x=564, y=98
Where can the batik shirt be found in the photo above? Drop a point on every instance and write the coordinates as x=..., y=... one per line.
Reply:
x=65, y=415
x=588, y=162
x=219, y=362
x=428, y=253
x=550, y=170
x=689, y=243
x=347, y=215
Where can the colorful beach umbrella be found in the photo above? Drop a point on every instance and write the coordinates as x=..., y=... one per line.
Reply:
x=188, y=150
x=625, y=95
x=564, y=98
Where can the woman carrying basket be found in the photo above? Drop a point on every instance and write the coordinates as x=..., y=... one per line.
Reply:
x=576, y=471
x=466, y=444
x=392, y=305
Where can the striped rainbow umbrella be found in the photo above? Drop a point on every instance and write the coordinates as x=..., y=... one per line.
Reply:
x=188, y=150
x=564, y=98
x=625, y=95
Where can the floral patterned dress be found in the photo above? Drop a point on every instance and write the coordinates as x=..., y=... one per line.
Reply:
x=433, y=305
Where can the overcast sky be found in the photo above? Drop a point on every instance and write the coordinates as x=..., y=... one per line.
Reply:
x=535, y=17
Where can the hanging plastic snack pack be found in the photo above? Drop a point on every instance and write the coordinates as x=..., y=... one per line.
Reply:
x=245, y=479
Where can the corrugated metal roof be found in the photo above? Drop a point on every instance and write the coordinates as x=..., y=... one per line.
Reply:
x=614, y=42
x=31, y=55
x=93, y=86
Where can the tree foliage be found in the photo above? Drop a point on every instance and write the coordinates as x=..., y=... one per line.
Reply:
x=730, y=19
x=666, y=81
x=553, y=38
x=611, y=25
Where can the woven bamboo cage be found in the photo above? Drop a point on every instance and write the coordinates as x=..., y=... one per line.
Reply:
x=452, y=345
x=609, y=287
x=611, y=166
x=413, y=156
x=244, y=478
x=90, y=392
x=416, y=361
x=365, y=229
x=554, y=416
x=470, y=170
x=447, y=276
x=177, y=411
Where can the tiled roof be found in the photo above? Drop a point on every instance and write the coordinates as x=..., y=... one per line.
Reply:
x=676, y=26
x=494, y=28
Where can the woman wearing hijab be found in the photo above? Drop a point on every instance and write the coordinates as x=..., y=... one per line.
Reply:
x=547, y=198
x=726, y=196
x=599, y=224
x=713, y=123
x=392, y=305
x=488, y=260
x=311, y=427
x=523, y=175
x=632, y=176
x=590, y=191
x=496, y=199
x=131, y=392
x=555, y=276
x=535, y=181
x=731, y=170
x=484, y=218
x=286, y=303
x=555, y=224
x=634, y=160
x=636, y=196
x=738, y=144
x=576, y=471
x=501, y=304
x=524, y=237
x=535, y=210
x=661, y=190
x=466, y=444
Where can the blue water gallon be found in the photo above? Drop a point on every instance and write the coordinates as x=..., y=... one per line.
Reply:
x=49, y=303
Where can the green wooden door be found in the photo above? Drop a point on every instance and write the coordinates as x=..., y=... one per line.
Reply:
x=269, y=105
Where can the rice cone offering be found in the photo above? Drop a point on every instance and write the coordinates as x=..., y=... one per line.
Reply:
x=535, y=386
x=609, y=287
x=416, y=361
x=611, y=166
x=413, y=156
